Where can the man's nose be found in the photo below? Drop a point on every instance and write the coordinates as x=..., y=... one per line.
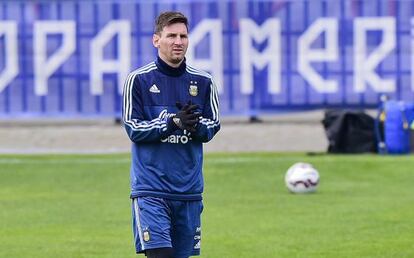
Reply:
x=178, y=41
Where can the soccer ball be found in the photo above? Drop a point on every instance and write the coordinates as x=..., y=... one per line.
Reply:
x=302, y=178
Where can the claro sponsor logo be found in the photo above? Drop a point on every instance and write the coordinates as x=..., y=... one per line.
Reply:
x=183, y=139
x=174, y=138
x=164, y=114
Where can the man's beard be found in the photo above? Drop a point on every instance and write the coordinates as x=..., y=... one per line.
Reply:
x=176, y=60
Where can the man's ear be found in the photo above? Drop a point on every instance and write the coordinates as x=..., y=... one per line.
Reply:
x=156, y=40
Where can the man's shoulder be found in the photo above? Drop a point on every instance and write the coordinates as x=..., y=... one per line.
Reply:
x=198, y=73
x=144, y=69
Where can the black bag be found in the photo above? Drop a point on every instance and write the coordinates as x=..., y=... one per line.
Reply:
x=349, y=131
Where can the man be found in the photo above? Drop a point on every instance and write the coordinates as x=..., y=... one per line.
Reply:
x=169, y=110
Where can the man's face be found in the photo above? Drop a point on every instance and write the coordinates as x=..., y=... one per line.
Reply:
x=172, y=43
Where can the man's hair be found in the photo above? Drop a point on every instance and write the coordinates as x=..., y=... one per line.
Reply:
x=168, y=18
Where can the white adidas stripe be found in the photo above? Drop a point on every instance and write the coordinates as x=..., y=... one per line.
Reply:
x=129, y=84
x=127, y=114
x=138, y=222
x=214, y=102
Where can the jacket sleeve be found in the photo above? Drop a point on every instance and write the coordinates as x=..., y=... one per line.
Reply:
x=209, y=123
x=137, y=127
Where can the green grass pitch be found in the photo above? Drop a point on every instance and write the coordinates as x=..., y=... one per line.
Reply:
x=78, y=206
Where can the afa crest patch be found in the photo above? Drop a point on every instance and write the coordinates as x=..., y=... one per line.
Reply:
x=193, y=90
x=146, y=235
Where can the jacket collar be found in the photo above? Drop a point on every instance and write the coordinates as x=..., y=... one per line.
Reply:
x=168, y=70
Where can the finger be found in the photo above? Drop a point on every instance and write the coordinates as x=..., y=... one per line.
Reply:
x=185, y=108
x=192, y=116
x=191, y=122
x=192, y=108
x=187, y=105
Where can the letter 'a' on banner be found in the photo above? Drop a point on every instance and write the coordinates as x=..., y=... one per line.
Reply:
x=100, y=65
x=213, y=64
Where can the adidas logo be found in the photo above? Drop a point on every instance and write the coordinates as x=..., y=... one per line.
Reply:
x=154, y=89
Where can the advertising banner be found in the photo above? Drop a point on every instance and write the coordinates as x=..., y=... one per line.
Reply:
x=70, y=58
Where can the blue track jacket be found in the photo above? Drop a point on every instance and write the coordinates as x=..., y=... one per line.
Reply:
x=167, y=163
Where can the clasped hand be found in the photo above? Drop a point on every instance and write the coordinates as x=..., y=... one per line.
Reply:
x=187, y=117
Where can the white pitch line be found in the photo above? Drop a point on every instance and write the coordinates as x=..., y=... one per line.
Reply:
x=18, y=161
